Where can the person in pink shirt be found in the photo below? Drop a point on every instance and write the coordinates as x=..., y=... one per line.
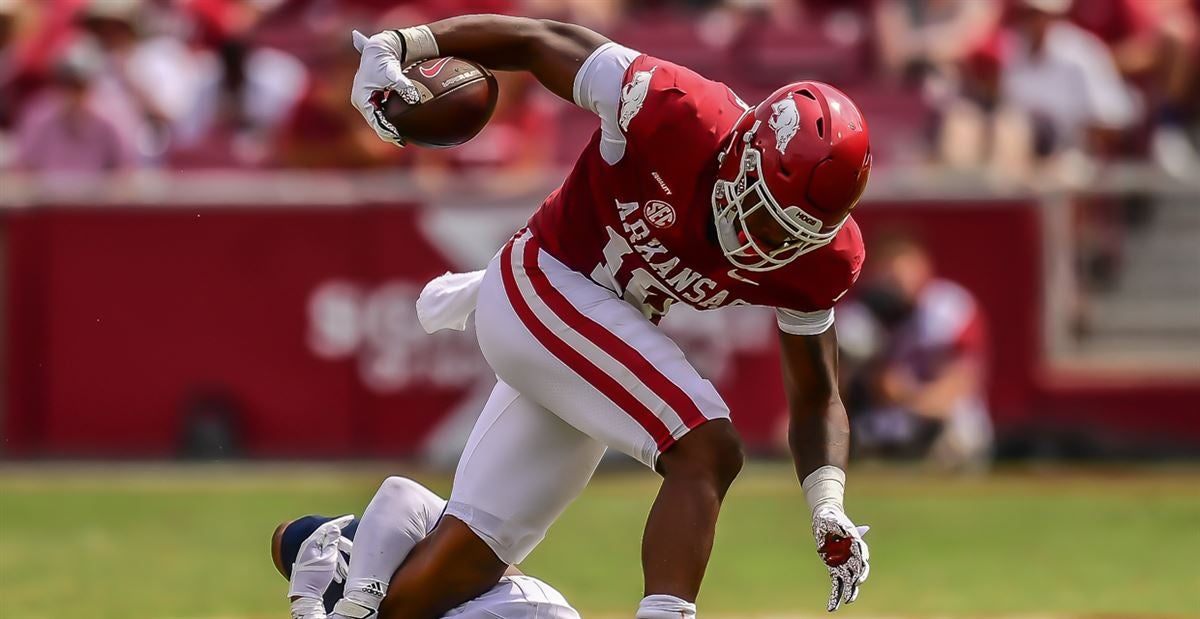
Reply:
x=66, y=130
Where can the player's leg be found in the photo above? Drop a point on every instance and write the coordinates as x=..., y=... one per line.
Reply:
x=697, y=471
x=400, y=515
x=520, y=469
x=450, y=567
x=600, y=365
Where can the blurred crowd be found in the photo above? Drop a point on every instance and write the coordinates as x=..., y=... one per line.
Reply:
x=1007, y=87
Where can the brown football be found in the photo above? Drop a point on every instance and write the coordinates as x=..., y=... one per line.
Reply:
x=453, y=101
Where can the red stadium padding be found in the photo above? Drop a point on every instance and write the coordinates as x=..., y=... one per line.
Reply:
x=120, y=319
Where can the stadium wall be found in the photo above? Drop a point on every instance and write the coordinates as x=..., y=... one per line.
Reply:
x=138, y=330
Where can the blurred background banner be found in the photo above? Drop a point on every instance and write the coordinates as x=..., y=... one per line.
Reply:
x=153, y=330
x=206, y=252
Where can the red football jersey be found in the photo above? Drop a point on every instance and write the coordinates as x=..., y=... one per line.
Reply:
x=643, y=225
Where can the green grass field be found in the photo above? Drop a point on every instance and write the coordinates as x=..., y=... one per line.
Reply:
x=167, y=542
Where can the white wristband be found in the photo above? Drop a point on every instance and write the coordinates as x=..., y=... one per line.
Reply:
x=825, y=487
x=307, y=608
x=419, y=44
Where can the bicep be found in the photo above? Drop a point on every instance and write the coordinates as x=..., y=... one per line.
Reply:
x=561, y=53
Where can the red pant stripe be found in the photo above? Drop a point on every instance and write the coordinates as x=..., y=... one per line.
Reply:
x=607, y=341
x=575, y=360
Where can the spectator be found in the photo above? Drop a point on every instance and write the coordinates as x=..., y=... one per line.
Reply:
x=1155, y=45
x=8, y=23
x=917, y=37
x=913, y=362
x=245, y=93
x=977, y=129
x=69, y=129
x=1064, y=78
x=324, y=131
x=145, y=78
x=599, y=14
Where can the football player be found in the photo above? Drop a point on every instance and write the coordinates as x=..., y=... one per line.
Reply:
x=312, y=553
x=684, y=194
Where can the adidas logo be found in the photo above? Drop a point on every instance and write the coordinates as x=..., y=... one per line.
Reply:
x=374, y=588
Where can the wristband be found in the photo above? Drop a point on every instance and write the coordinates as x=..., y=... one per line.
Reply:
x=825, y=487
x=416, y=44
x=307, y=608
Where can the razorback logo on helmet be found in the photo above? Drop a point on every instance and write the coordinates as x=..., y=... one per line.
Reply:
x=431, y=71
x=633, y=95
x=785, y=120
x=659, y=213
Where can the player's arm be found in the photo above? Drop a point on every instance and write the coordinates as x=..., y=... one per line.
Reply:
x=819, y=431
x=552, y=51
x=819, y=436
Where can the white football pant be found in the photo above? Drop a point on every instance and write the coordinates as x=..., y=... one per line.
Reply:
x=579, y=370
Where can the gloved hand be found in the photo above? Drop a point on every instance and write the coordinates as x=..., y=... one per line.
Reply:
x=345, y=549
x=319, y=562
x=841, y=546
x=380, y=76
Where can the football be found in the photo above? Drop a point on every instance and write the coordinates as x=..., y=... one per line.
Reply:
x=453, y=101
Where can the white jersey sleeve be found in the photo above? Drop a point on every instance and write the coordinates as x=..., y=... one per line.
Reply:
x=598, y=89
x=804, y=323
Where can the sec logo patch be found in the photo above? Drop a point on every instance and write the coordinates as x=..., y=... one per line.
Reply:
x=659, y=213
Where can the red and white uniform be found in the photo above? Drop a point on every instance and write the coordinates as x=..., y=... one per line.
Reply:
x=635, y=214
x=567, y=311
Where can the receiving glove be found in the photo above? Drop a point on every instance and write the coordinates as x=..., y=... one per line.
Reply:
x=839, y=543
x=318, y=563
x=381, y=73
x=380, y=76
x=841, y=546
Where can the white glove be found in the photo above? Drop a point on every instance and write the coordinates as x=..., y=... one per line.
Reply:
x=345, y=549
x=841, y=546
x=318, y=563
x=381, y=75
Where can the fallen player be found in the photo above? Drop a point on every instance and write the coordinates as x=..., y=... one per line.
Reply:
x=313, y=553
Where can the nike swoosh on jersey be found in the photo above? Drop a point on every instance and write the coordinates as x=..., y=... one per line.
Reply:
x=734, y=274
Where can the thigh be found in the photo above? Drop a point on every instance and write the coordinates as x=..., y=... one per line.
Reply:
x=520, y=469
x=588, y=356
